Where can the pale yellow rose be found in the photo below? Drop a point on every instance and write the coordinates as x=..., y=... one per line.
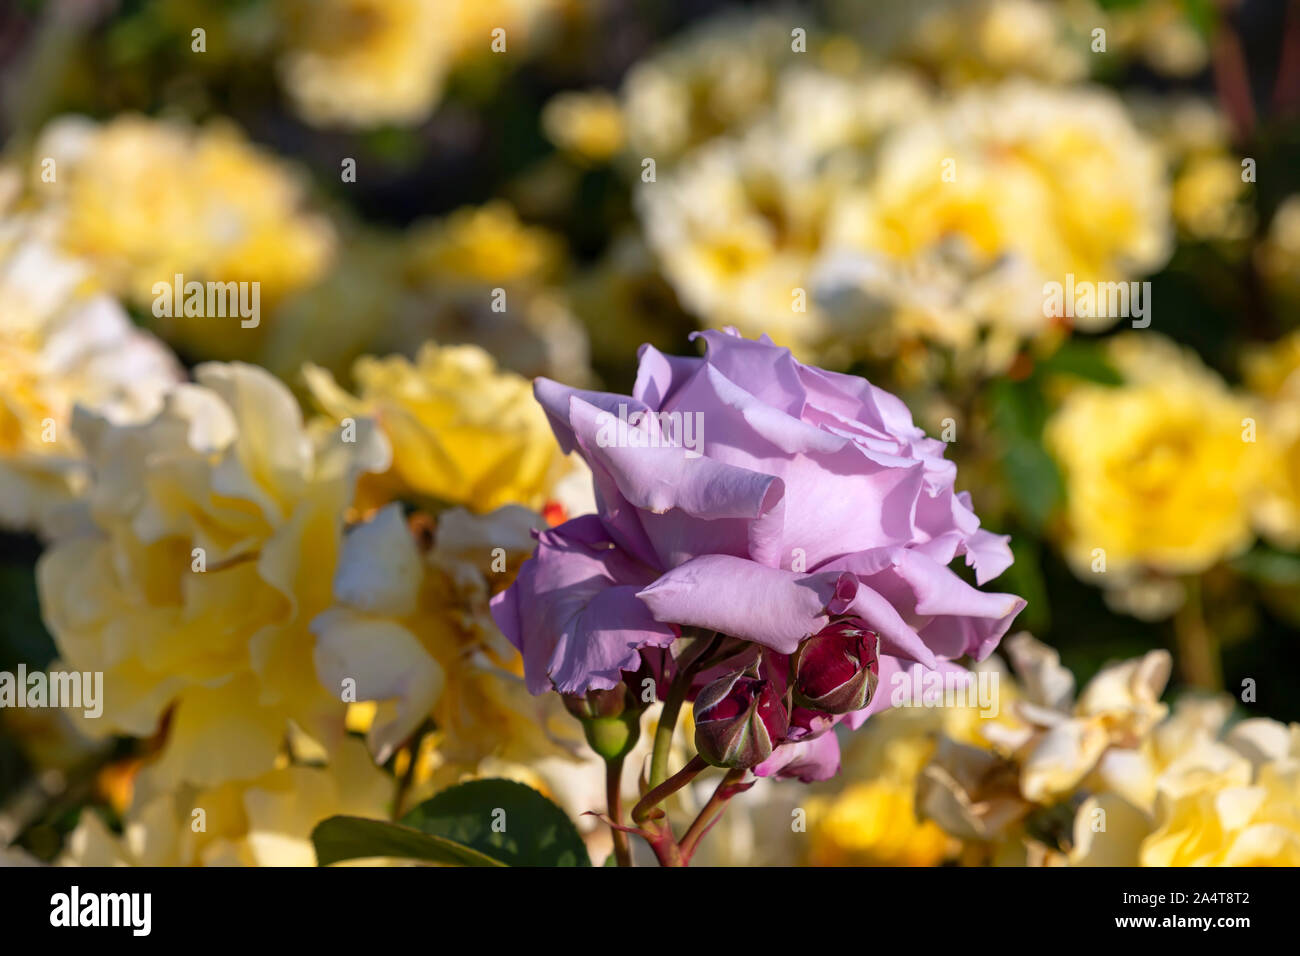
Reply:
x=976, y=205
x=741, y=224
x=145, y=200
x=210, y=538
x=62, y=343
x=989, y=39
x=266, y=821
x=462, y=431
x=1063, y=740
x=410, y=630
x=368, y=63
x=711, y=80
x=1193, y=795
x=1160, y=472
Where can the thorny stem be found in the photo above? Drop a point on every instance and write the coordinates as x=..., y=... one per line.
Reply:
x=711, y=813
x=614, y=806
x=641, y=812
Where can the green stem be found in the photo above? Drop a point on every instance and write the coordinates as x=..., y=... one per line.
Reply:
x=687, y=668
x=614, y=804
x=1198, y=651
x=710, y=814
x=641, y=812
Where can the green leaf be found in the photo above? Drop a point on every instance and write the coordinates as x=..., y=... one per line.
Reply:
x=1033, y=476
x=354, y=838
x=505, y=820
x=1085, y=360
x=1269, y=567
x=1025, y=577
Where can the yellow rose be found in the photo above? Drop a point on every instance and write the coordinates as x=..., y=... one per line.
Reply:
x=868, y=816
x=1192, y=795
x=146, y=200
x=1273, y=374
x=484, y=277
x=989, y=39
x=1159, y=472
x=741, y=224
x=461, y=431
x=266, y=821
x=484, y=244
x=587, y=125
x=366, y=63
x=410, y=629
x=975, y=205
x=61, y=344
x=1279, y=254
x=211, y=536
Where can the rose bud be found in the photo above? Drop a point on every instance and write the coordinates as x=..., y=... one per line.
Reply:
x=836, y=670
x=739, y=720
x=611, y=726
x=597, y=703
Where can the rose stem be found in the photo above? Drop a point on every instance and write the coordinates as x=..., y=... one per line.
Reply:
x=676, y=696
x=711, y=813
x=641, y=812
x=1198, y=651
x=614, y=801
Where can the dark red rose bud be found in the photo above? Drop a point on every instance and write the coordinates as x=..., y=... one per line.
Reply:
x=739, y=720
x=837, y=669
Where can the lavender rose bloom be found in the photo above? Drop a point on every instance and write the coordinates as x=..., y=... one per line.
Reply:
x=749, y=494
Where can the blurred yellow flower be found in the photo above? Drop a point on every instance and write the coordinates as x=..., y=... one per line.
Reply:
x=1160, y=32
x=710, y=81
x=1279, y=254
x=363, y=63
x=1273, y=374
x=1207, y=196
x=991, y=39
x=266, y=821
x=61, y=344
x=974, y=206
x=461, y=430
x=1161, y=472
x=482, y=276
x=870, y=818
x=740, y=224
x=484, y=244
x=586, y=125
x=146, y=200
x=210, y=537
x=410, y=629
x=366, y=63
